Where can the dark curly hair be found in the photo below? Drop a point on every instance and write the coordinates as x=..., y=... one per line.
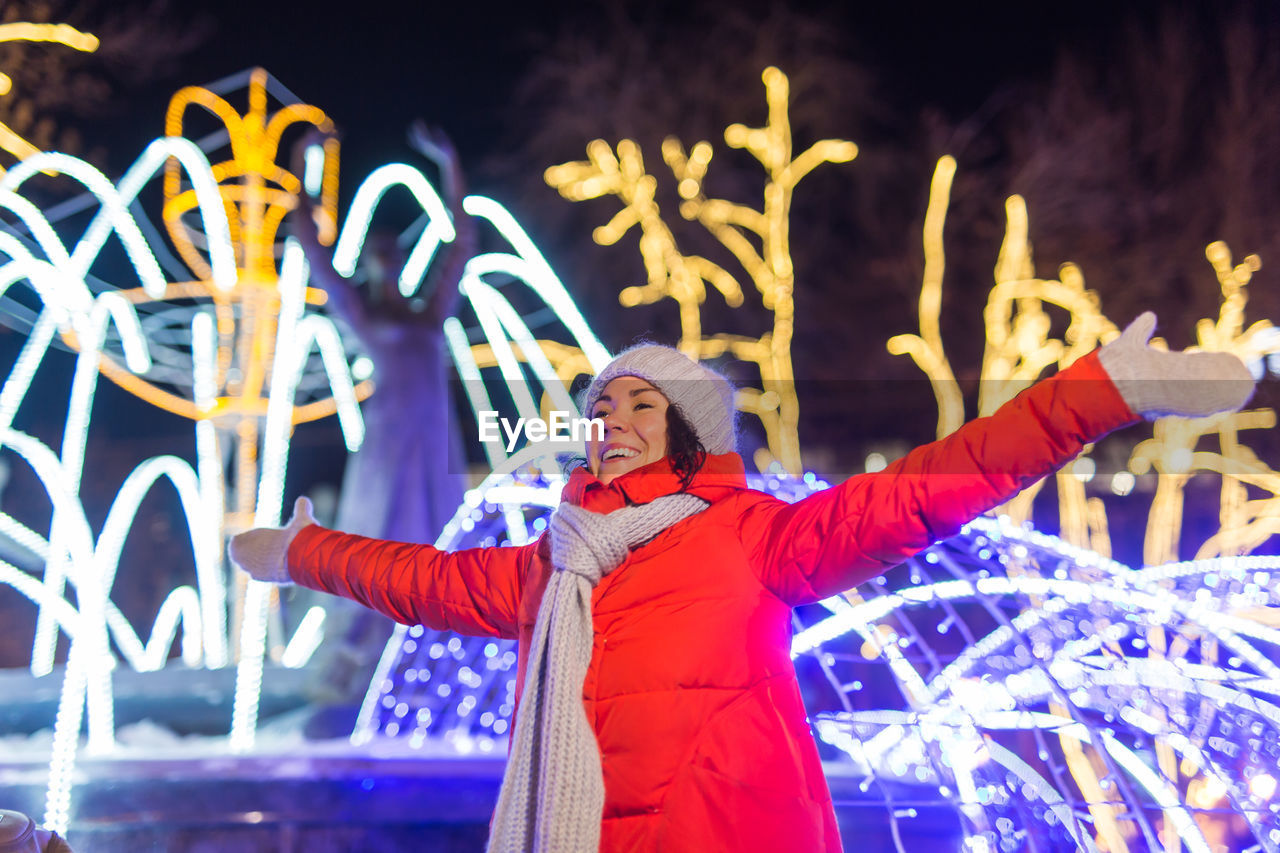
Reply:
x=683, y=447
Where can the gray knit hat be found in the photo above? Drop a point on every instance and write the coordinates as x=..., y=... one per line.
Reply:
x=703, y=397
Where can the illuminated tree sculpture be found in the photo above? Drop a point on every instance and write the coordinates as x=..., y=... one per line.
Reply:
x=758, y=239
x=1019, y=349
x=11, y=139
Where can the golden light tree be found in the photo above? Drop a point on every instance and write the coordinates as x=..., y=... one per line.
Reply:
x=1019, y=349
x=256, y=193
x=759, y=239
x=11, y=139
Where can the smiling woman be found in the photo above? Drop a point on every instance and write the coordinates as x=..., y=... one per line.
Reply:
x=658, y=705
x=655, y=403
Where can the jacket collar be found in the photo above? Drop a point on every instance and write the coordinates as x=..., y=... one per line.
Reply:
x=719, y=476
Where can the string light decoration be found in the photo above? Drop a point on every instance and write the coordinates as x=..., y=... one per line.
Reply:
x=758, y=239
x=64, y=34
x=72, y=554
x=240, y=351
x=998, y=638
x=1005, y=633
x=1019, y=348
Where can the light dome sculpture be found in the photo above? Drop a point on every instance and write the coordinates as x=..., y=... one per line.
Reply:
x=1011, y=650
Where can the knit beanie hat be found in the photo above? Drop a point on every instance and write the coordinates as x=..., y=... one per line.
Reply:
x=703, y=397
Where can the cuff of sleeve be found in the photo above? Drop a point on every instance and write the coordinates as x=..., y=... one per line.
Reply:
x=1106, y=409
x=295, y=558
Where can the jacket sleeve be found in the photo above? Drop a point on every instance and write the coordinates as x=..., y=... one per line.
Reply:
x=476, y=591
x=840, y=537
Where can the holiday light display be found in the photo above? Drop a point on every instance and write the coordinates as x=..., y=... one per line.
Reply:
x=254, y=356
x=1018, y=350
x=1148, y=695
x=1068, y=628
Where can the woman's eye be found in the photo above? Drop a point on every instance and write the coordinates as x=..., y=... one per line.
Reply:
x=643, y=406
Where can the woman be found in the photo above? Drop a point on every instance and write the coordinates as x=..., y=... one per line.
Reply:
x=659, y=708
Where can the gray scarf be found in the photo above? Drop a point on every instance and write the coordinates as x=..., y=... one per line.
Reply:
x=552, y=795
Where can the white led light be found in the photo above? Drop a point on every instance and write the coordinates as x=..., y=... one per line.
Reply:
x=362, y=368
x=1263, y=786
x=529, y=266
x=114, y=213
x=356, y=227
x=314, y=170
x=244, y=708
x=206, y=531
x=306, y=639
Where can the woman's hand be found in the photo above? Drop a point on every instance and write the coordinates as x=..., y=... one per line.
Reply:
x=1155, y=383
x=262, y=551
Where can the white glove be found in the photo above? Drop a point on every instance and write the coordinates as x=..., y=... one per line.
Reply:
x=1156, y=383
x=262, y=551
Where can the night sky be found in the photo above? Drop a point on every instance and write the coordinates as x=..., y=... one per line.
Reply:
x=458, y=64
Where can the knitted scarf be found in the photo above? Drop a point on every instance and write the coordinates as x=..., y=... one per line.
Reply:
x=552, y=795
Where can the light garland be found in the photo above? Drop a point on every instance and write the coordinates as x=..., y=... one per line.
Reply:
x=63, y=34
x=196, y=616
x=439, y=227
x=758, y=239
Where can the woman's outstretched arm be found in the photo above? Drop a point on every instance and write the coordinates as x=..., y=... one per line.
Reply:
x=836, y=539
x=475, y=591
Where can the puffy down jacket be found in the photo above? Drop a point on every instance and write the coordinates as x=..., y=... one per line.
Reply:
x=691, y=691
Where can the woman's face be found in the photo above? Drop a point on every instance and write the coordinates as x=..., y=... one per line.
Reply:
x=635, y=428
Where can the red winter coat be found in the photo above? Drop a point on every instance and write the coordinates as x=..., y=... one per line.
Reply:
x=691, y=691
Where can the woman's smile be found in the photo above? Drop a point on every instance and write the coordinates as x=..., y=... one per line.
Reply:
x=635, y=428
